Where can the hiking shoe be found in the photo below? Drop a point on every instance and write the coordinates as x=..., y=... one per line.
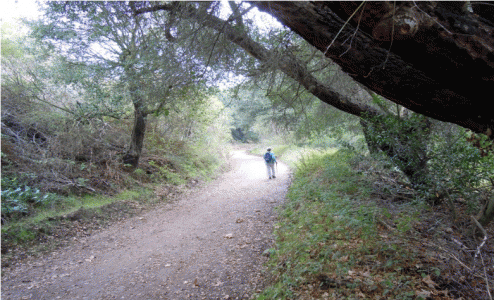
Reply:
x=274, y=176
x=269, y=177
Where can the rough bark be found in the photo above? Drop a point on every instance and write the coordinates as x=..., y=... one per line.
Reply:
x=434, y=58
x=133, y=153
x=371, y=145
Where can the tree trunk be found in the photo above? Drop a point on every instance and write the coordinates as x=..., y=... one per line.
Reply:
x=488, y=213
x=371, y=145
x=136, y=141
x=447, y=75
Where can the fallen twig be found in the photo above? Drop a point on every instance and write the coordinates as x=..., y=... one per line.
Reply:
x=463, y=247
x=386, y=225
x=483, y=231
x=486, y=279
x=459, y=261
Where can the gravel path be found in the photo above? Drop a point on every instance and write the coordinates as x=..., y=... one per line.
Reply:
x=207, y=245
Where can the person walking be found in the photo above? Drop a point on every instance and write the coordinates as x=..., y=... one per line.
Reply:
x=270, y=160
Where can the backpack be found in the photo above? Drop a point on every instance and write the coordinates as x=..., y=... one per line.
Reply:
x=268, y=157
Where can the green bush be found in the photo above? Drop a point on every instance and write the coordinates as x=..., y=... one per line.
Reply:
x=19, y=199
x=439, y=159
x=458, y=169
x=461, y=161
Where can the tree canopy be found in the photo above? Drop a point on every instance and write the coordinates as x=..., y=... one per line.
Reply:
x=151, y=69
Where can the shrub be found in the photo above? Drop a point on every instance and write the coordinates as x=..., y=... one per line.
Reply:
x=19, y=199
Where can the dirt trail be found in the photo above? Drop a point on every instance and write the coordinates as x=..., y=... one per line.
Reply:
x=207, y=245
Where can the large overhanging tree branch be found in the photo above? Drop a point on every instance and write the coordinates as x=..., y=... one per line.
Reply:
x=435, y=58
x=288, y=64
x=292, y=67
x=295, y=69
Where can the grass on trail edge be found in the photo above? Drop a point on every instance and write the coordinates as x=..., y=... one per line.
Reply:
x=78, y=217
x=331, y=242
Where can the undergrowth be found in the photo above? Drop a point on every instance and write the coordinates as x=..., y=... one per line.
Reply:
x=334, y=242
x=75, y=216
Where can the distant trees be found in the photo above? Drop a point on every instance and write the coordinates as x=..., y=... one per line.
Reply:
x=248, y=108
